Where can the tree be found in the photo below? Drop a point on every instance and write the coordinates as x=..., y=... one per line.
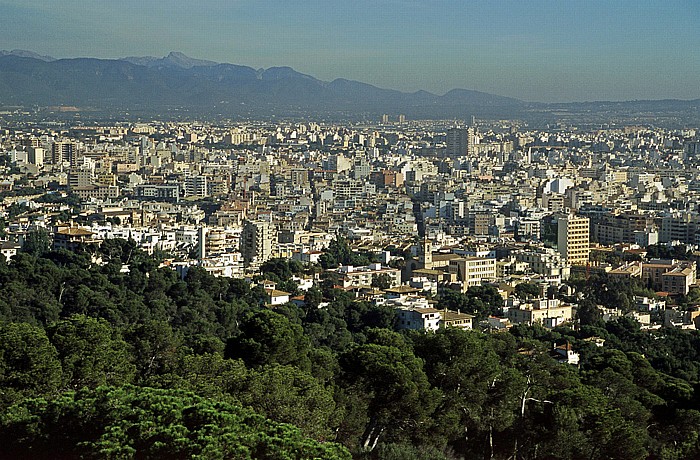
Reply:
x=267, y=337
x=313, y=298
x=527, y=291
x=381, y=281
x=37, y=242
x=339, y=253
x=480, y=301
x=133, y=422
x=29, y=365
x=290, y=395
x=391, y=385
x=154, y=347
x=589, y=314
x=91, y=353
x=283, y=269
x=119, y=250
x=481, y=396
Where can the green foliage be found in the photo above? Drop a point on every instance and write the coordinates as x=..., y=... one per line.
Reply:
x=37, y=242
x=147, y=423
x=663, y=251
x=91, y=353
x=288, y=394
x=29, y=364
x=527, y=291
x=480, y=301
x=154, y=347
x=267, y=337
x=391, y=384
x=397, y=451
x=282, y=269
x=382, y=281
x=588, y=314
x=338, y=373
x=339, y=253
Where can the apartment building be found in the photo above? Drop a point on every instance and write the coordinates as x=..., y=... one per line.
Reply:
x=573, y=239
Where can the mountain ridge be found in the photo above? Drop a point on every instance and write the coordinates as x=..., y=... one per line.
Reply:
x=178, y=82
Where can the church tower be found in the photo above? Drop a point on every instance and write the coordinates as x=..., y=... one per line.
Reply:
x=427, y=256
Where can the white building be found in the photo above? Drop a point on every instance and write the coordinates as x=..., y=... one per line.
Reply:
x=418, y=318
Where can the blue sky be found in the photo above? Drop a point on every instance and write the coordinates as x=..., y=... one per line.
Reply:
x=537, y=50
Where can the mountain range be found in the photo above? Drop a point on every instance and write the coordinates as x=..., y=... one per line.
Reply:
x=179, y=85
x=178, y=82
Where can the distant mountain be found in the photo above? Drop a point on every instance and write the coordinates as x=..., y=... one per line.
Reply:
x=28, y=54
x=174, y=59
x=178, y=82
x=177, y=85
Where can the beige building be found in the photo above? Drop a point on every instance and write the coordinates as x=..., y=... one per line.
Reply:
x=72, y=238
x=472, y=271
x=256, y=241
x=672, y=276
x=573, y=239
x=456, y=319
x=549, y=313
x=363, y=276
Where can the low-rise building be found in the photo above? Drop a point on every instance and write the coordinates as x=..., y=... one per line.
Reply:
x=9, y=249
x=363, y=276
x=71, y=238
x=418, y=318
x=672, y=276
x=548, y=312
x=456, y=319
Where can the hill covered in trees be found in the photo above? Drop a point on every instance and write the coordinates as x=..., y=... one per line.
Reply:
x=101, y=361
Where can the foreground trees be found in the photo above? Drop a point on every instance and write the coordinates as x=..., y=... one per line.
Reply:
x=75, y=335
x=138, y=422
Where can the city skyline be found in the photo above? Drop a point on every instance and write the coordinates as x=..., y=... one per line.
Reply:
x=544, y=51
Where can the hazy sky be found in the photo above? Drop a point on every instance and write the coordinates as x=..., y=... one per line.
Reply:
x=537, y=50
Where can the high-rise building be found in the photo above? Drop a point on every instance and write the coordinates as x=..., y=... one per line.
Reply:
x=337, y=163
x=299, y=177
x=573, y=239
x=35, y=156
x=63, y=151
x=196, y=186
x=385, y=119
x=460, y=141
x=256, y=241
x=402, y=118
x=81, y=178
x=361, y=169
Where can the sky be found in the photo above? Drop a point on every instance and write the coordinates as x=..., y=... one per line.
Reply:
x=535, y=50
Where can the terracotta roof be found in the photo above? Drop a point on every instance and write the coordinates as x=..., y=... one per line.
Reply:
x=403, y=289
x=72, y=231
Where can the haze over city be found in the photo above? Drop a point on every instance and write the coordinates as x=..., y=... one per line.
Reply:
x=548, y=51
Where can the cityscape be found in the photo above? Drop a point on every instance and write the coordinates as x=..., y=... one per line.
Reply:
x=359, y=259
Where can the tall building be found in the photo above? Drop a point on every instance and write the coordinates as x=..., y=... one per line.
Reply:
x=460, y=141
x=299, y=177
x=63, y=151
x=256, y=241
x=573, y=239
x=35, y=156
x=81, y=178
x=385, y=119
x=361, y=169
x=196, y=186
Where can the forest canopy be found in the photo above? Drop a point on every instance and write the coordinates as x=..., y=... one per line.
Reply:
x=97, y=361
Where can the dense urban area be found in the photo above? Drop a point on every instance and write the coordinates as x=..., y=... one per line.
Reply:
x=389, y=289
